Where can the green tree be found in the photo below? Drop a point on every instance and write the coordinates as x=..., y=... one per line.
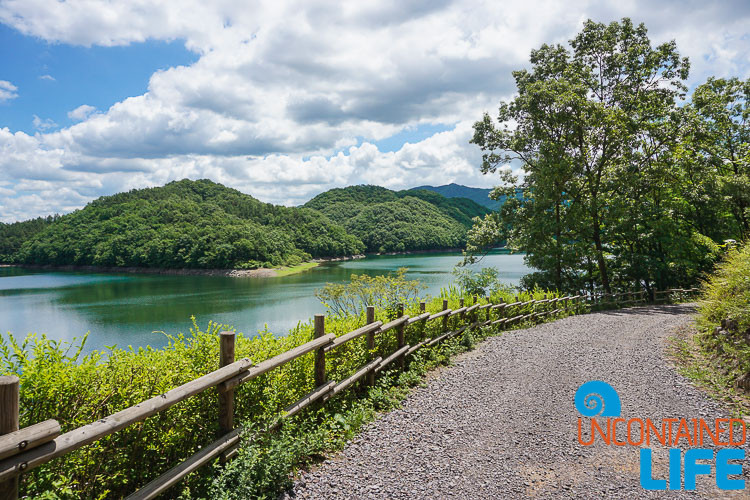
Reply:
x=586, y=121
x=721, y=138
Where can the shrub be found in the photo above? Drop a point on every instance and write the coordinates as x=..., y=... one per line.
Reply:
x=726, y=296
x=383, y=292
x=481, y=283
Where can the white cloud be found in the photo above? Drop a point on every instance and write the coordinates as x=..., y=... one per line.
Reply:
x=7, y=91
x=81, y=112
x=48, y=78
x=43, y=124
x=280, y=89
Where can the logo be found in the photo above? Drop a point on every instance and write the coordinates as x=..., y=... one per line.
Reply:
x=600, y=407
x=597, y=398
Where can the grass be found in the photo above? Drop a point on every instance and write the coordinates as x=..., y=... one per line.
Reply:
x=698, y=364
x=286, y=271
x=717, y=358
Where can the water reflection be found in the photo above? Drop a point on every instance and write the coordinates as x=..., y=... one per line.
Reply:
x=130, y=309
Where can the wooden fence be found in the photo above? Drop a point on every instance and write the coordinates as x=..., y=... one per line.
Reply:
x=25, y=449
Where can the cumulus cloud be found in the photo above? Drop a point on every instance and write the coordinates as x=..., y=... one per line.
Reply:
x=7, y=91
x=43, y=124
x=287, y=98
x=49, y=78
x=81, y=112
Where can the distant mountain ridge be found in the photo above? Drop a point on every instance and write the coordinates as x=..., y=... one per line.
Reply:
x=477, y=195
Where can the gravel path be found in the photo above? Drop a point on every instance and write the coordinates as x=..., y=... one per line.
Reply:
x=501, y=422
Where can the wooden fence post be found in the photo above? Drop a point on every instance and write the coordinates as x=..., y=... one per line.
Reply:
x=445, y=318
x=370, y=343
x=9, y=396
x=226, y=398
x=320, y=354
x=489, y=308
x=422, y=309
x=400, y=337
x=463, y=314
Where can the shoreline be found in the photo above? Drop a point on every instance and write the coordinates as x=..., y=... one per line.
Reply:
x=231, y=273
x=417, y=252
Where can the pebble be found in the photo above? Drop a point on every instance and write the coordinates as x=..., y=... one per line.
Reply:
x=501, y=421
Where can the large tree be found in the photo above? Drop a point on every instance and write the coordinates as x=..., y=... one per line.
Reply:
x=721, y=139
x=586, y=120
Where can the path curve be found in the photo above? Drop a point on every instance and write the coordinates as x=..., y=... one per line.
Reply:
x=501, y=422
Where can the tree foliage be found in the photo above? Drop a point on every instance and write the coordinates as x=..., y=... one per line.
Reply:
x=621, y=185
x=13, y=235
x=383, y=292
x=481, y=283
x=397, y=221
x=186, y=224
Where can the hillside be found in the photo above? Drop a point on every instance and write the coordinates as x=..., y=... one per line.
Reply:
x=201, y=224
x=477, y=195
x=13, y=235
x=186, y=224
x=395, y=221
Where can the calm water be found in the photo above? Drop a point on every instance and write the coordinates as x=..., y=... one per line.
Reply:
x=132, y=309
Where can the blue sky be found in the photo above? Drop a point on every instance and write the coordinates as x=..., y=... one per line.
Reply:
x=55, y=78
x=285, y=99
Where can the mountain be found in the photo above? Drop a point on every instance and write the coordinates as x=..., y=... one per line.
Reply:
x=185, y=224
x=13, y=235
x=202, y=224
x=477, y=195
x=396, y=221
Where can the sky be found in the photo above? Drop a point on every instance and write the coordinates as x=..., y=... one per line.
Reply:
x=283, y=100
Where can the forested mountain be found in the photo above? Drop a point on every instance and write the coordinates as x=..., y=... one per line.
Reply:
x=13, y=235
x=453, y=190
x=201, y=224
x=394, y=221
x=186, y=224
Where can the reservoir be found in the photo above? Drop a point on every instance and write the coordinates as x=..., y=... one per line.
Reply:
x=135, y=309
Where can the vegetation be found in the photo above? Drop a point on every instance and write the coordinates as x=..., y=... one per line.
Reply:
x=186, y=224
x=479, y=283
x=717, y=357
x=57, y=382
x=726, y=303
x=13, y=235
x=477, y=195
x=624, y=186
x=384, y=292
x=286, y=271
x=201, y=224
x=389, y=221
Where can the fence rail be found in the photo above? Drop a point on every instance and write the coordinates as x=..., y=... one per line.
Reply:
x=25, y=449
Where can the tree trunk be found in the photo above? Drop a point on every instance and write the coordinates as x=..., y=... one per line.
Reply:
x=558, y=263
x=600, y=254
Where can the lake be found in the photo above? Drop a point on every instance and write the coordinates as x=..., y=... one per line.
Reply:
x=133, y=309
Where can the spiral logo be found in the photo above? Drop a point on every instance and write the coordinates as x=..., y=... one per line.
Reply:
x=596, y=398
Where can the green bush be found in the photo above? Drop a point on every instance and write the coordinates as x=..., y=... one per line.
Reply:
x=383, y=292
x=726, y=296
x=481, y=283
